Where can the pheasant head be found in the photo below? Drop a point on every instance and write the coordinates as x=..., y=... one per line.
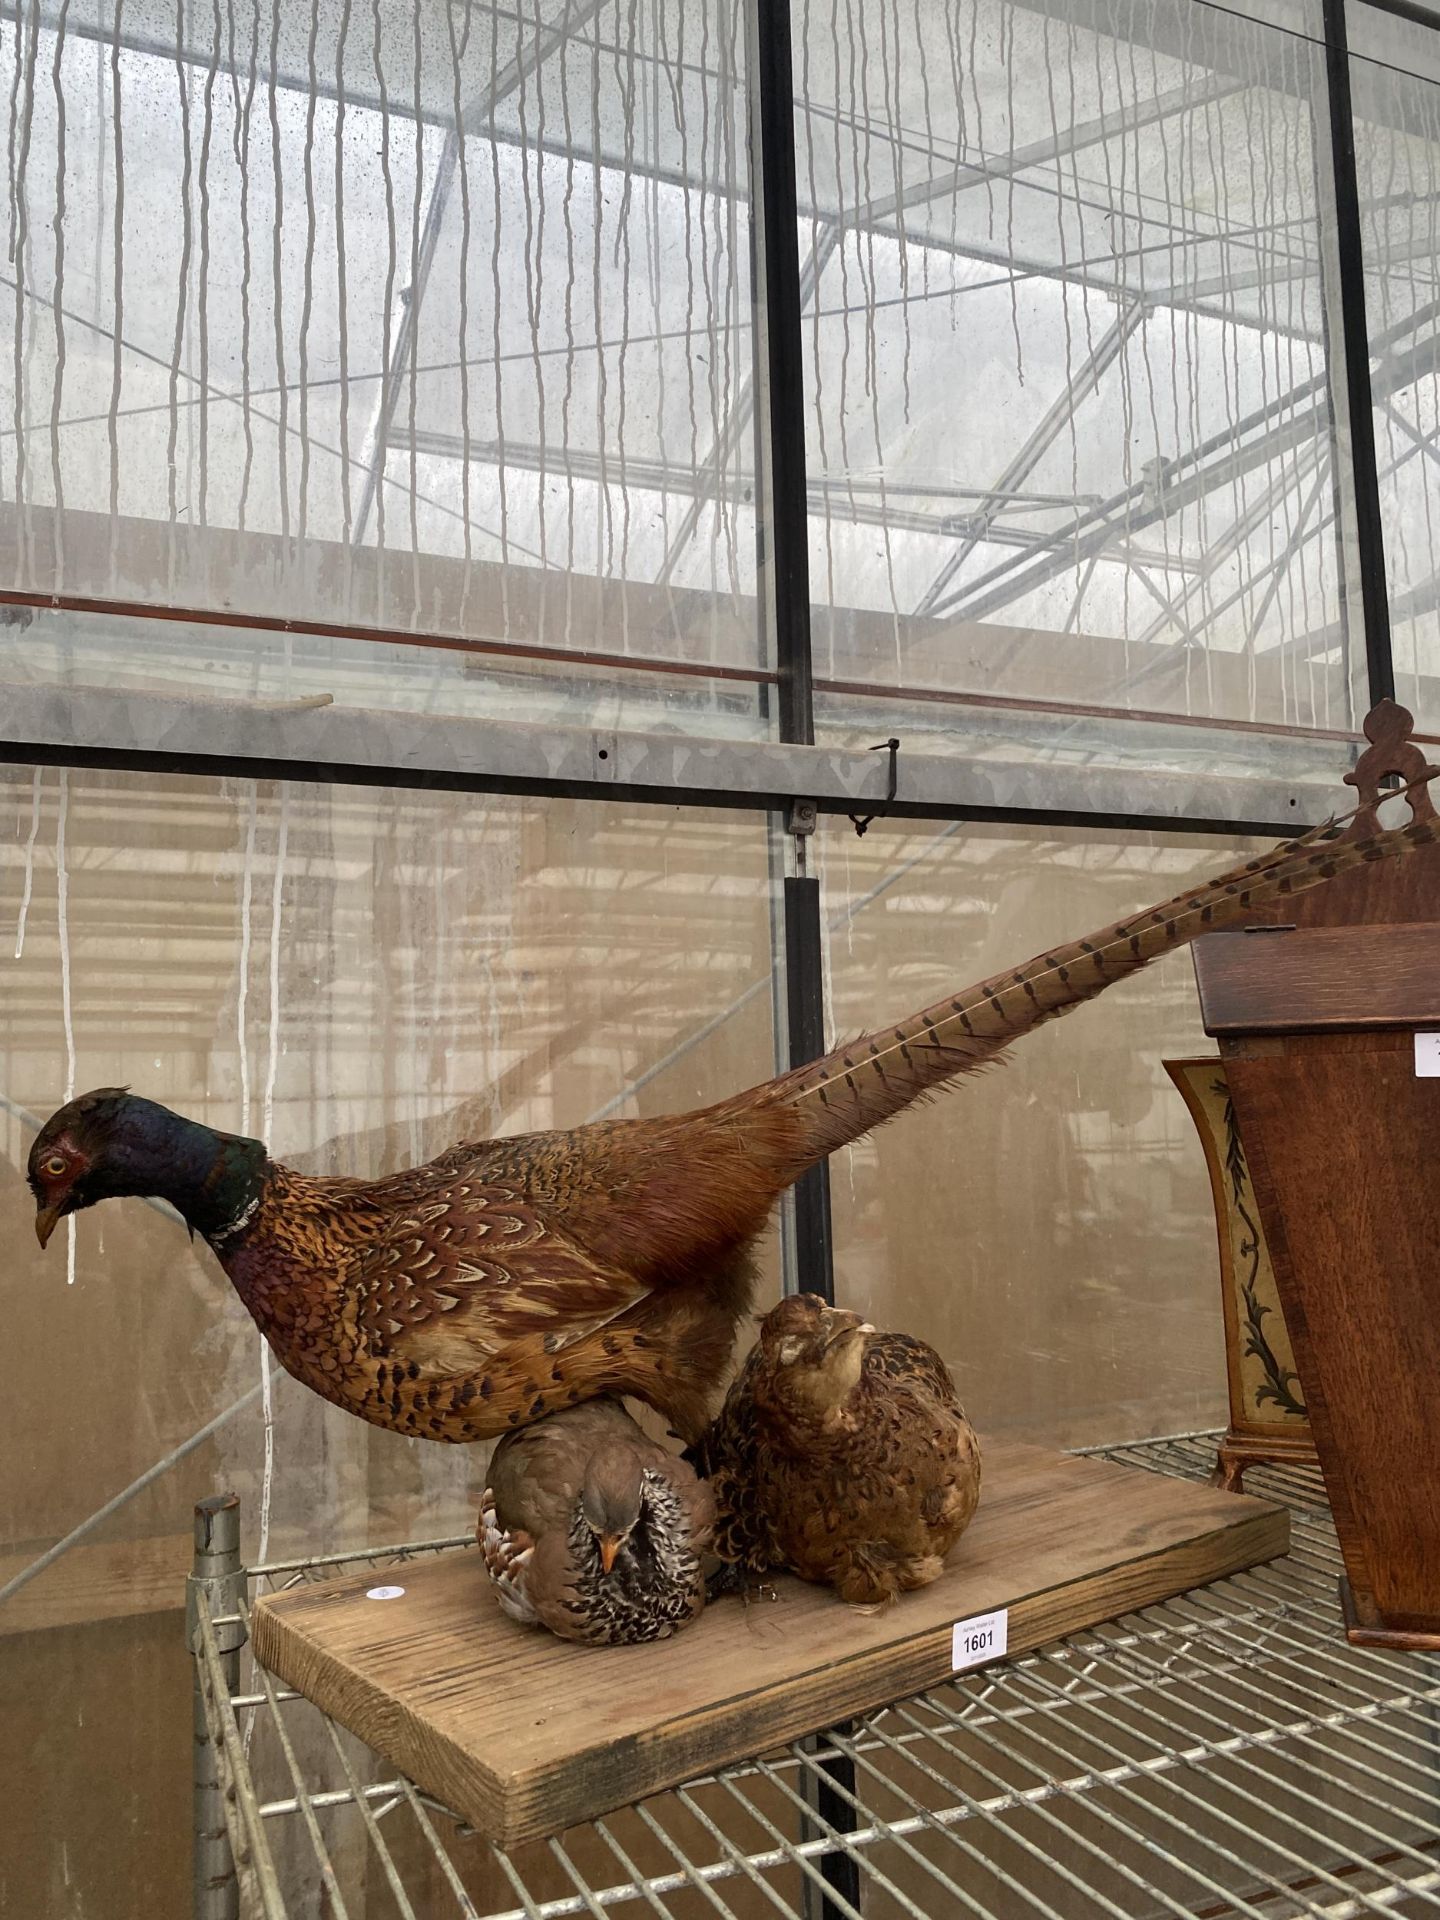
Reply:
x=111, y=1143
x=809, y=1362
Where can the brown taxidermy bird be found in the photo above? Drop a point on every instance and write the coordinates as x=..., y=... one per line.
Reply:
x=592, y=1529
x=510, y=1278
x=842, y=1455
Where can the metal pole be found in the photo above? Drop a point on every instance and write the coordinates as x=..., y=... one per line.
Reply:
x=783, y=554
x=1355, y=338
x=782, y=522
x=815, y=1273
x=805, y=1011
x=783, y=512
x=218, y=1574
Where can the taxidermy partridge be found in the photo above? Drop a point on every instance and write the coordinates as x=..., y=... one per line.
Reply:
x=593, y=1530
x=511, y=1278
x=842, y=1455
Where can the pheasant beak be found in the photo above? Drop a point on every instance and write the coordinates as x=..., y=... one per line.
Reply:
x=609, y=1547
x=851, y=1326
x=46, y=1221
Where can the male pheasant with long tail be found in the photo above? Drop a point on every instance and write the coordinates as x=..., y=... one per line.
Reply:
x=510, y=1278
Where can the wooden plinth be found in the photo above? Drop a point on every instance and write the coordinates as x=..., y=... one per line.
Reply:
x=525, y=1735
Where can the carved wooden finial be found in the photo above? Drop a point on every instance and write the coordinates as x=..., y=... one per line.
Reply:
x=1388, y=727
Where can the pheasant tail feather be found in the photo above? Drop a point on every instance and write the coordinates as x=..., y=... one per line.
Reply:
x=844, y=1094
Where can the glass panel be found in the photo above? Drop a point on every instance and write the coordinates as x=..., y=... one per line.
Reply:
x=1397, y=152
x=362, y=978
x=1071, y=434
x=1047, y=1225
x=414, y=320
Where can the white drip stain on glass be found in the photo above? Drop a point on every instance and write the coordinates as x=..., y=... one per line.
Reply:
x=15, y=75
x=308, y=295
x=67, y=1010
x=605, y=522
x=457, y=54
x=57, y=387
x=24, y=337
x=342, y=317
x=567, y=215
x=621, y=262
x=98, y=239
x=382, y=401
x=497, y=352
x=112, y=418
x=417, y=279
x=27, y=885
x=278, y=278
x=182, y=305
x=534, y=255
x=212, y=72
x=242, y=160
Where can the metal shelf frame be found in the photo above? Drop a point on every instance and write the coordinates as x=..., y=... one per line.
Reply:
x=1225, y=1753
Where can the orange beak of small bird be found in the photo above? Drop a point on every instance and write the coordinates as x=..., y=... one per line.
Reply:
x=46, y=1221
x=609, y=1547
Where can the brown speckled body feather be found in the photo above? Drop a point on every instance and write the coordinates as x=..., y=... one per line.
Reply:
x=864, y=1488
x=511, y=1278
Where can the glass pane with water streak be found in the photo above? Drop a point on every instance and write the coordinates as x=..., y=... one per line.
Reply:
x=429, y=320
x=1070, y=428
x=1395, y=83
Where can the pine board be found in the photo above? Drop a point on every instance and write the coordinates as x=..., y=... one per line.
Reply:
x=525, y=1735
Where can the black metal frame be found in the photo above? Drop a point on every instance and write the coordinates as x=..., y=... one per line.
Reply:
x=1374, y=591
x=782, y=420
x=408, y=778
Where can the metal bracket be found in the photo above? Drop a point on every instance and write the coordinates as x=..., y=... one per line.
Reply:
x=859, y=822
x=802, y=816
x=224, y=1595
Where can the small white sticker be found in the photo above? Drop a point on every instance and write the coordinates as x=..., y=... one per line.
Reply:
x=384, y=1593
x=973, y=1642
x=1427, y=1056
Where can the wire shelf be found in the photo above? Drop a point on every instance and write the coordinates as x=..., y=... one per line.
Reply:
x=1225, y=1753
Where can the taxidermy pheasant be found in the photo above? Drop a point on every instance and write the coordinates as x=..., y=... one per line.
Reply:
x=593, y=1530
x=511, y=1278
x=842, y=1455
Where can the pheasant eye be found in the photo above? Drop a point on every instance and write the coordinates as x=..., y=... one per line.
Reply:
x=55, y=1166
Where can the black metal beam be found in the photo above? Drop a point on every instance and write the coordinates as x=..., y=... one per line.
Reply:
x=1373, y=583
x=208, y=766
x=805, y=1006
x=783, y=523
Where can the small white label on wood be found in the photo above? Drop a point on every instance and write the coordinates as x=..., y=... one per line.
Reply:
x=983, y=1638
x=384, y=1593
x=1427, y=1056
